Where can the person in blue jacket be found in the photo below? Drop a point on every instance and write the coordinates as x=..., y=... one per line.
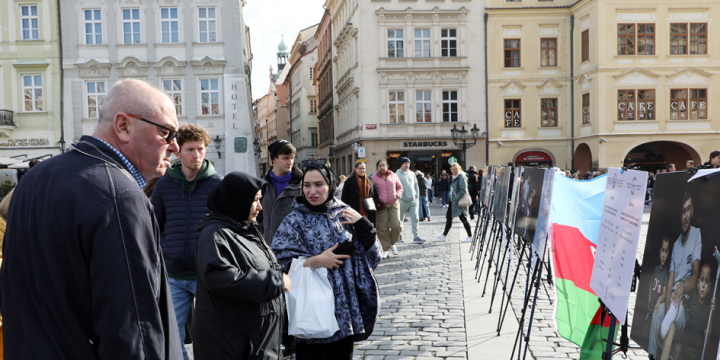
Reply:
x=180, y=201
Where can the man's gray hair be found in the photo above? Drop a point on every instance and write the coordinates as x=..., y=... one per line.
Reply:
x=130, y=96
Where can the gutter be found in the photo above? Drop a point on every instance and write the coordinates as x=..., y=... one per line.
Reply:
x=572, y=93
x=487, y=118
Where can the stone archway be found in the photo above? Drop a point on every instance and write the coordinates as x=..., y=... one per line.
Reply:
x=655, y=155
x=583, y=158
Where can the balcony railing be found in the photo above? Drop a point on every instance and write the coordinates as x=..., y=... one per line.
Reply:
x=6, y=118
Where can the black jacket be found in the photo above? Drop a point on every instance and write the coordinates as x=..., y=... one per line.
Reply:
x=239, y=309
x=83, y=275
x=275, y=209
x=422, y=184
x=473, y=184
x=351, y=196
x=444, y=185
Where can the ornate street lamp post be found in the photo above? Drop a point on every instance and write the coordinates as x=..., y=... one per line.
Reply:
x=460, y=139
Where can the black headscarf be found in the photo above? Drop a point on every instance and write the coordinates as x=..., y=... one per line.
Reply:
x=234, y=195
x=329, y=177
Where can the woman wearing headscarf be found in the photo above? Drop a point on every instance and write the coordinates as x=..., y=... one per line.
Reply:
x=239, y=308
x=358, y=187
x=458, y=189
x=315, y=227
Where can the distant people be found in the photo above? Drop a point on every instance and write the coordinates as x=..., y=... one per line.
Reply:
x=240, y=282
x=431, y=190
x=98, y=289
x=423, y=210
x=458, y=189
x=388, y=225
x=650, y=187
x=180, y=201
x=689, y=164
x=714, y=161
x=444, y=187
x=359, y=187
x=315, y=227
x=410, y=198
x=575, y=176
x=341, y=186
x=473, y=189
x=664, y=170
x=671, y=168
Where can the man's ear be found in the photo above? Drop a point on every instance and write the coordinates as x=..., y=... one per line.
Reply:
x=121, y=127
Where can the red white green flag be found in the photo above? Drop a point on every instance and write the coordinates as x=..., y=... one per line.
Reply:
x=594, y=345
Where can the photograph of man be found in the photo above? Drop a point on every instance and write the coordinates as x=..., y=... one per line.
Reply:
x=682, y=280
x=528, y=207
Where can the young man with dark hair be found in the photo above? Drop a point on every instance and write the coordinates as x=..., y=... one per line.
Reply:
x=180, y=201
x=714, y=160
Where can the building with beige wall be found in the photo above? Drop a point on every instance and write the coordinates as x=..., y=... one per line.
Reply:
x=404, y=73
x=30, y=71
x=641, y=89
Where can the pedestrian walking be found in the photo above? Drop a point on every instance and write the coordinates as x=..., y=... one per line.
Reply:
x=431, y=190
x=458, y=189
x=84, y=278
x=240, y=283
x=472, y=189
x=423, y=210
x=410, y=200
x=388, y=223
x=341, y=186
x=315, y=227
x=180, y=201
x=444, y=187
x=359, y=187
x=284, y=182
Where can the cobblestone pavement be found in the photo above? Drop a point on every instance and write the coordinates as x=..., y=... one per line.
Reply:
x=422, y=313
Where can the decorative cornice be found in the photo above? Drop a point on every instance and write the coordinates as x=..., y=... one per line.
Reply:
x=689, y=70
x=637, y=71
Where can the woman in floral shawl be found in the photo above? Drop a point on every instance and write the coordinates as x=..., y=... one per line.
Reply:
x=315, y=227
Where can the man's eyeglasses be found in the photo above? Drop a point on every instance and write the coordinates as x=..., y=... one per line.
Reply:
x=171, y=133
x=318, y=162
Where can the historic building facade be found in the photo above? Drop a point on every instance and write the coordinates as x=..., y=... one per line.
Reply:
x=593, y=84
x=197, y=51
x=271, y=122
x=324, y=87
x=30, y=106
x=404, y=73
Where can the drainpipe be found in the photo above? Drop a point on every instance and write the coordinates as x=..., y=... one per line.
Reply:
x=62, y=82
x=487, y=119
x=572, y=93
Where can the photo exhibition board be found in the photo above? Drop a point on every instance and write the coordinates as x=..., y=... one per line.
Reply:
x=483, y=183
x=502, y=182
x=680, y=270
x=533, y=209
x=618, y=239
x=515, y=182
x=489, y=183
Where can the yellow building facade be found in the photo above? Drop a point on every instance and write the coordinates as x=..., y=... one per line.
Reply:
x=595, y=84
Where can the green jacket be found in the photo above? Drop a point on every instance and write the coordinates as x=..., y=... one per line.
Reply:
x=411, y=190
x=458, y=189
x=206, y=171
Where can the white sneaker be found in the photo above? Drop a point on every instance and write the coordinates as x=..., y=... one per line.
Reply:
x=394, y=250
x=441, y=237
x=466, y=240
x=383, y=254
x=389, y=254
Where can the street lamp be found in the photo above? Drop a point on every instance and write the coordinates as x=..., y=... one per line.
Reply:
x=256, y=147
x=218, y=141
x=460, y=139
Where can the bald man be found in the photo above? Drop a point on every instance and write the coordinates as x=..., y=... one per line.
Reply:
x=83, y=276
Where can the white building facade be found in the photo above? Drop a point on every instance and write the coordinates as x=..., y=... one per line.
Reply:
x=197, y=51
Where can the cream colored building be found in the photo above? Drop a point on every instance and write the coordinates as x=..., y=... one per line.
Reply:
x=30, y=121
x=641, y=89
x=404, y=73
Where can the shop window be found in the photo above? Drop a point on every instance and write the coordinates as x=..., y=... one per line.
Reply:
x=513, y=113
x=586, y=108
x=688, y=104
x=636, y=105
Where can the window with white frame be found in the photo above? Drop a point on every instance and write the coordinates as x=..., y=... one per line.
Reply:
x=210, y=96
x=397, y=107
x=131, y=26
x=423, y=106
x=207, y=24
x=450, y=106
x=29, y=21
x=173, y=87
x=32, y=93
x=395, y=44
x=448, y=42
x=169, y=25
x=422, y=42
x=95, y=96
x=93, y=27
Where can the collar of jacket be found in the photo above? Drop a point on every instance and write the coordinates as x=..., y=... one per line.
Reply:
x=295, y=179
x=92, y=147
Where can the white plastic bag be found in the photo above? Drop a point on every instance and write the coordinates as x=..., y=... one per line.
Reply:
x=310, y=302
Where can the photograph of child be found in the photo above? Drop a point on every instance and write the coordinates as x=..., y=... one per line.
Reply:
x=676, y=294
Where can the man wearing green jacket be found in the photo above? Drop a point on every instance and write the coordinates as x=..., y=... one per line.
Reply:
x=410, y=200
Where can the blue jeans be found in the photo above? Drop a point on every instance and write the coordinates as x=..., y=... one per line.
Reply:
x=445, y=197
x=430, y=194
x=424, y=210
x=183, y=293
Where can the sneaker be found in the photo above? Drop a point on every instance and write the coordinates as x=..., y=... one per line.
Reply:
x=394, y=250
x=418, y=240
x=401, y=239
x=406, y=219
x=441, y=237
x=466, y=240
x=429, y=219
x=383, y=254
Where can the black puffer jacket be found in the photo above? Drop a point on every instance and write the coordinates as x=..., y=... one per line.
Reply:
x=239, y=309
x=473, y=184
x=422, y=184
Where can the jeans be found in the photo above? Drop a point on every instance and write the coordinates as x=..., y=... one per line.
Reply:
x=445, y=197
x=431, y=193
x=424, y=209
x=183, y=294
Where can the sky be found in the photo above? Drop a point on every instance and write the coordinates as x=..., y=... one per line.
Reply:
x=268, y=21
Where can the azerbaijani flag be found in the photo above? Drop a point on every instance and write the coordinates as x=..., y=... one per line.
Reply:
x=594, y=345
x=575, y=213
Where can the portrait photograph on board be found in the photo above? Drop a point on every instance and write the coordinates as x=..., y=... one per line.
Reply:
x=674, y=316
x=502, y=176
x=489, y=183
x=515, y=180
x=528, y=208
x=483, y=184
